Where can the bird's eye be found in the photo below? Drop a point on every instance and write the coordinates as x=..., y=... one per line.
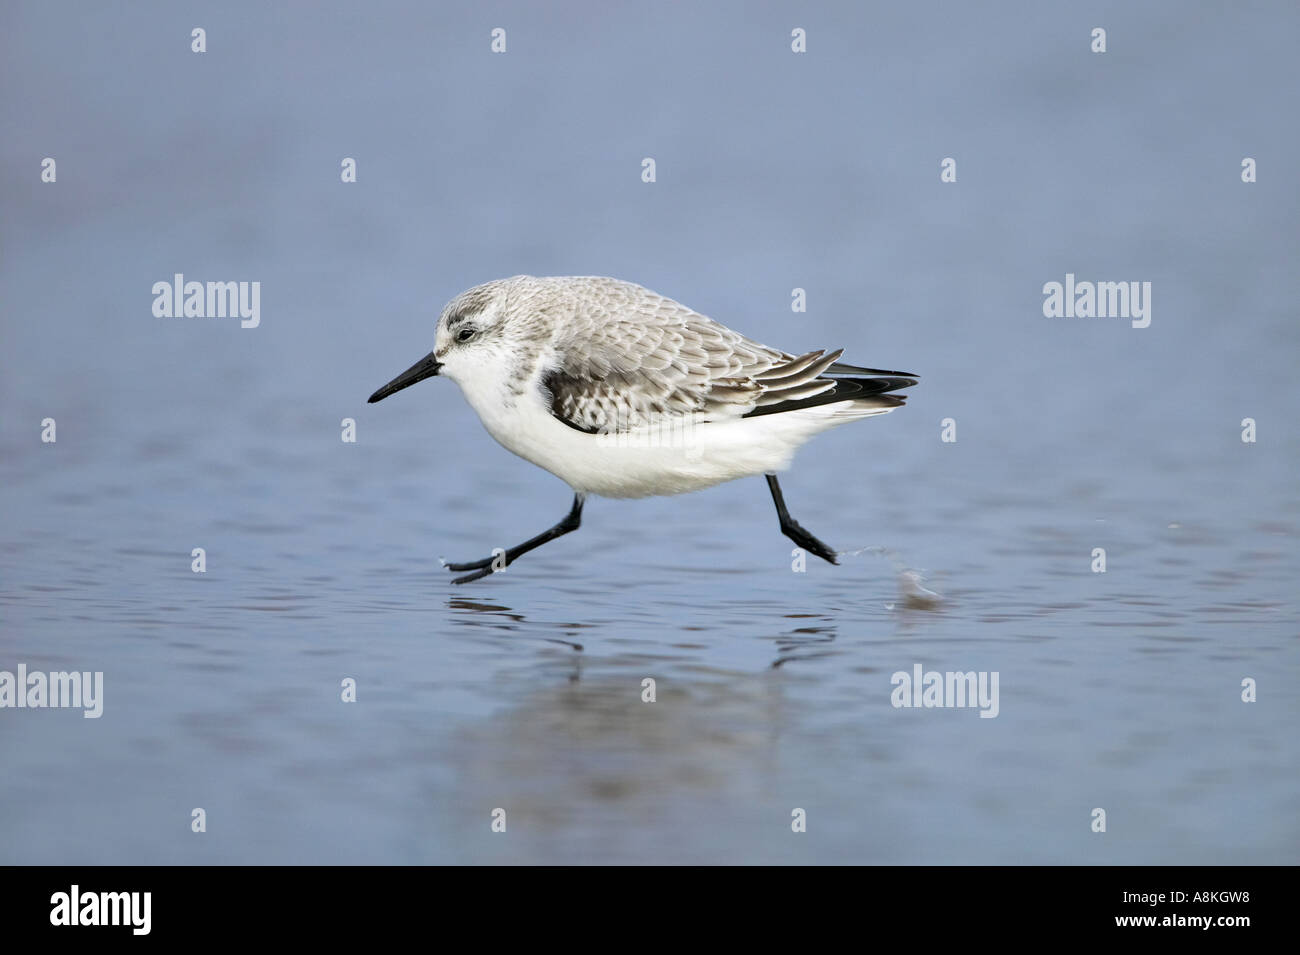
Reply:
x=465, y=334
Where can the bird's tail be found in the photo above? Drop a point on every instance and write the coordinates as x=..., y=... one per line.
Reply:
x=869, y=395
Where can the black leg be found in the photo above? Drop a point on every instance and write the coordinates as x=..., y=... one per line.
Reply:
x=791, y=529
x=484, y=567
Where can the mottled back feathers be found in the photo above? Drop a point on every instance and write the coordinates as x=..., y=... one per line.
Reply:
x=622, y=356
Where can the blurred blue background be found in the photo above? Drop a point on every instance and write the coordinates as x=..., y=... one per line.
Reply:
x=775, y=170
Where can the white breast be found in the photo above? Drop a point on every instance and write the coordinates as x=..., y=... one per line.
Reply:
x=672, y=458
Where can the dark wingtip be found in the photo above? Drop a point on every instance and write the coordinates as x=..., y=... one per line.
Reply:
x=839, y=368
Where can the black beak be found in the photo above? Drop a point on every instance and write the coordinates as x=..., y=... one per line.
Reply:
x=426, y=367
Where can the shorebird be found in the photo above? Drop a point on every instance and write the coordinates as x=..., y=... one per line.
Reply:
x=621, y=392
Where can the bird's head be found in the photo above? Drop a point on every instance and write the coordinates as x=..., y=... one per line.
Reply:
x=479, y=339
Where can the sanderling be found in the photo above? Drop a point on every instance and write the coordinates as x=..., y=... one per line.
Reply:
x=621, y=392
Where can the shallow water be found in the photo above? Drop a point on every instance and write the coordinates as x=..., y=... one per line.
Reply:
x=1119, y=690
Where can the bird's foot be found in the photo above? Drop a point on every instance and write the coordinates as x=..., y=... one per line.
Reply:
x=482, y=568
x=809, y=543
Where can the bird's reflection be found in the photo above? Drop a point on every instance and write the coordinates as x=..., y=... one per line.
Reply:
x=581, y=750
x=808, y=641
x=474, y=613
x=563, y=749
x=805, y=642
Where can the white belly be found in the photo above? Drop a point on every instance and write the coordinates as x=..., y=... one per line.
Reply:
x=663, y=460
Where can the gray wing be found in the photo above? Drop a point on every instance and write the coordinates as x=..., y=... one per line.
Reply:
x=630, y=357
